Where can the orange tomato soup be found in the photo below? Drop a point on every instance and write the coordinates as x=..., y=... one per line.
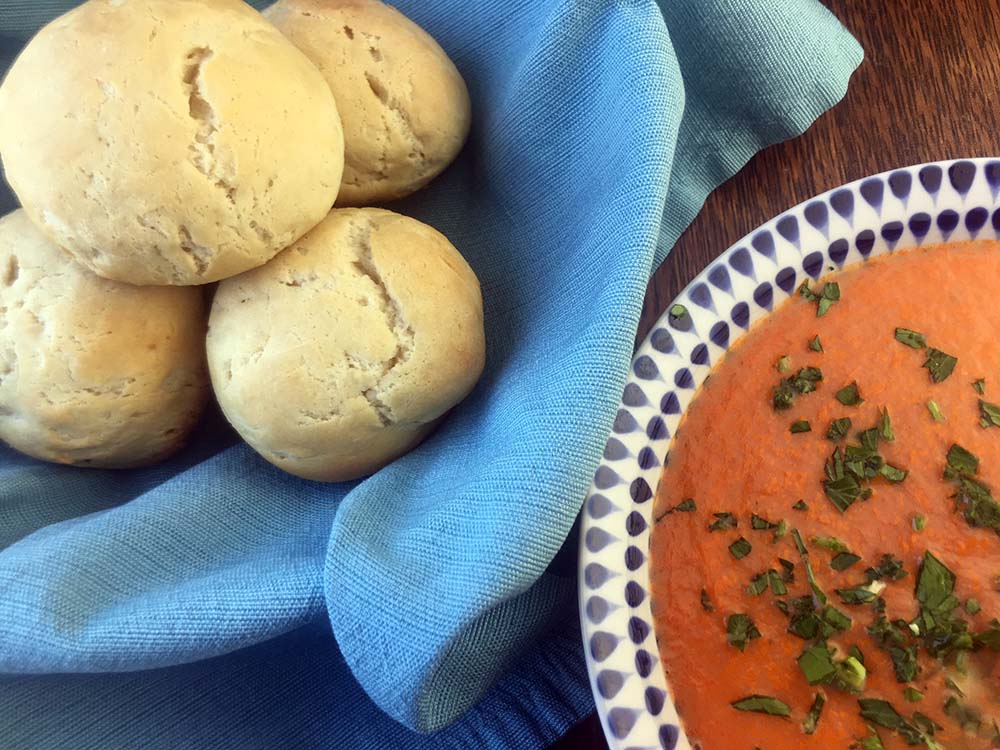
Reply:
x=932, y=660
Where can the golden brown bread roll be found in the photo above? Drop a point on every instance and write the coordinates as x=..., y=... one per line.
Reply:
x=169, y=141
x=93, y=372
x=404, y=104
x=341, y=354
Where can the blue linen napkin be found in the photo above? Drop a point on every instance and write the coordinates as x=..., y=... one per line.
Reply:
x=216, y=602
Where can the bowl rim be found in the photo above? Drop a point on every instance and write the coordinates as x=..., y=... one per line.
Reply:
x=923, y=204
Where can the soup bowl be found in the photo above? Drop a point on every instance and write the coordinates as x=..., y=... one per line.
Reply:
x=920, y=205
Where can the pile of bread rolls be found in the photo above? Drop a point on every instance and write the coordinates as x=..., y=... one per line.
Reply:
x=160, y=146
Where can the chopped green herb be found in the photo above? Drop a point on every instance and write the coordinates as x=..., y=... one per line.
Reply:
x=888, y=567
x=759, y=584
x=960, y=462
x=856, y=653
x=740, y=630
x=807, y=294
x=815, y=712
x=817, y=591
x=881, y=713
x=849, y=395
x=872, y=741
x=935, y=411
x=980, y=386
x=801, y=425
x=967, y=717
x=780, y=530
x=893, y=474
x=913, y=695
x=801, y=505
x=678, y=311
x=990, y=414
x=787, y=570
x=911, y=338
x=939, y=364
x=803, y=382
x=778, y=587
x=799, y=544
x=919, y=523
x=857, y=596
x=757, y=523
x=686, y=506
x=950, y=684
x=839, y=428
x=842, y=492
x=723, y=522
x=740, y=548
x=829, y=295
x=784, y=364
x=821, y=668
x=763, y=704
x=973, y=607
x=844, y=560
x=831, y=543
x=885, y=426
x=815, y=344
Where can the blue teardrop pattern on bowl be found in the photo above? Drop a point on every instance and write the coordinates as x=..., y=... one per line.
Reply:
x=615, y=450
x=662, y=340
x=624, y=422
x=785, y=279
x=891, y=232
x=670, y=734
x=655, y=698
x=603, y=644
x=719, y=278
x=872, y=191
x=763, y=243
x=930, y=178
x=610, y=682
x=947, y=221
x=598, y=506
x=597, y=539
x=596, y=575
x=605, y=478
x=741, y=315
x=670, y=404
x=635, y=524
x=864, y=242
x=634, y=558
x=684, y=378
x=900, y=183
x=788, y=227
x=812, y=264
x=961, y=174
x=657, y=429
x=634, y=395
x=837, y=251
x=645, y=368
x=763, y=295
x=817, y=215
x=975, y=220
x=634, y=594
x=597, y=609
x=639, y=490
x=719, y=335
x=681, y=321
x=621, y=721
x=701, y=295
x=920, y=225
x=699, y=355
x=638, y=630
x=742, y=263
x=992, y=172
x=842, y=201
x=647, y=459
x=643, y=662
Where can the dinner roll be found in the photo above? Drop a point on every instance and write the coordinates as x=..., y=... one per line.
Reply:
x=404, y=104
x=340, y=354
x=169, y=141
x=93, y=372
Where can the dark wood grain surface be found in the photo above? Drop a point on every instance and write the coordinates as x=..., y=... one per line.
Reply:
x=929, y=89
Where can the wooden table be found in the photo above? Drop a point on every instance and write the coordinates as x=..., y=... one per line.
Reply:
x=928, y=89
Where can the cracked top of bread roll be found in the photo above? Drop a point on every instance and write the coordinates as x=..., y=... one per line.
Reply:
x=404, y=105
x=93, y=372
x=340, y=354
x=169, y=141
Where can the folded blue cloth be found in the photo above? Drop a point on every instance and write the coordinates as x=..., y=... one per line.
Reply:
x=216, y=602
